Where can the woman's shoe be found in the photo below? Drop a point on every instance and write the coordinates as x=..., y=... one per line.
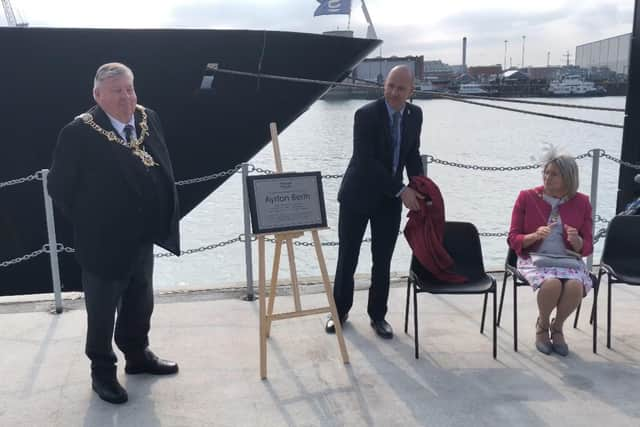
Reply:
x=561, y=348
x=542, y=346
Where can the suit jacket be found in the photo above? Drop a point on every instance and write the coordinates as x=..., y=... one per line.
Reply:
x=369, y=178
x=531, y=211
x=101, y=196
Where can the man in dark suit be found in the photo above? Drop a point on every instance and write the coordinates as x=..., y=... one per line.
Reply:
x=111, y=177
x=386, y=140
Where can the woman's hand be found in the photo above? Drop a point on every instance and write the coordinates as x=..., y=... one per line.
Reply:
x=540, y=234
x=543, y=231
x=574, y=238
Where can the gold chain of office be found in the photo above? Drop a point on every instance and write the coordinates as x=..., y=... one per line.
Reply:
x=135, y=145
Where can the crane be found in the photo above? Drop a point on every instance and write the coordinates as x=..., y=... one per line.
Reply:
x=8, y=12
x=11, y=17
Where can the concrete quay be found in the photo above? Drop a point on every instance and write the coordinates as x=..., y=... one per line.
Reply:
x=214, y=337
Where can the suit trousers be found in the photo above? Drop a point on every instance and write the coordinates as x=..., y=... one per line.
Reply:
x=385, y=225
x=132, y=299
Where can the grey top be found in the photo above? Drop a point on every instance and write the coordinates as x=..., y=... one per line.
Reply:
x=554, y=243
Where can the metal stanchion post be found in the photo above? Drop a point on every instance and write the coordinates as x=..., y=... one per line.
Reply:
x=247, y=233
x=53, y=244
x=595, y=170
x=425, y=163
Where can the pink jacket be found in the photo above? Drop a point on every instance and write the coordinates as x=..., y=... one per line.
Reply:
x=531, y=211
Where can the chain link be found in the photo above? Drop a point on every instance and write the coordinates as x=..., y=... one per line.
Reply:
x=432, y=159
x=264, y=171
x=600, y=234
x=21, y=259
x=210, y=177
x=202, y=248
x=45, y=249
x=310, y=244
x=503, y=234
x=481, y=168
x=619, y=161
x=368, y=240
x=36, y=176
x=598, y=218
x=269, y=172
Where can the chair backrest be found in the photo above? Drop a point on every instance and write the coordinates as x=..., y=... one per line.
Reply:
x=622, y=244
x=462, y=242
x=512, y=258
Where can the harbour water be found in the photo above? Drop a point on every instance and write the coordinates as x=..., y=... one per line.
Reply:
x=321, y=139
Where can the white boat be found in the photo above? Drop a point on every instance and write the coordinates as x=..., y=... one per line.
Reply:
x=574, y=85
x=472, y=89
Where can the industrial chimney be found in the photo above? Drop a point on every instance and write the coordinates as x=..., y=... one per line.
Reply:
x=464, y=53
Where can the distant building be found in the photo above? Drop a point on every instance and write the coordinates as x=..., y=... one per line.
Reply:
x=436, y=67
x=485, y=73
x=514, y=76
x=612, y=53
x=376, y=69
x=544, y=73
x=459, y=69
x=484, y=70
x=438, y=73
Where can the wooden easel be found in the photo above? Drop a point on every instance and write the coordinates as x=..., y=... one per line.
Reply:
x=266, y=314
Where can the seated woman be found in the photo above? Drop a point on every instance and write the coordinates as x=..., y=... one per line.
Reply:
x=551, y=229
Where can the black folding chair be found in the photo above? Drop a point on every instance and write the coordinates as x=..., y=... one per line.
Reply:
x=510, y=269
x=620, y=257
x=462, y=242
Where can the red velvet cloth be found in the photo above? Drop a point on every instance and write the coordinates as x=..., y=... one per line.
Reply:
x=425, y=232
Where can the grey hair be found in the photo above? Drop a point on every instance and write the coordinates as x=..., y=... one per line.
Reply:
x=566, y=165
x=110, y=70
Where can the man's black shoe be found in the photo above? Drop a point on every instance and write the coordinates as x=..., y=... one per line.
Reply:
x=330, y=327
x=109, y=389
x=382, y=328
x=149, y=363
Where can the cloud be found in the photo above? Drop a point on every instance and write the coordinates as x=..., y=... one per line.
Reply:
x=432, y=29
x=275, y=15
x=602, y=18
x=501, y=21
x=555, y=31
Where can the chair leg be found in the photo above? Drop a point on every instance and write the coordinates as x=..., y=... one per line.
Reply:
x=415, y=321
x=609, y=311
x=495, y=324
x=406, y=307
x=515, y=316
x=484, y=313
x=594, y=316
x=504, y=285
x=575, y=320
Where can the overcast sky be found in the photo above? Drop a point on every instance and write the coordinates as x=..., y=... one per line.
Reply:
x=408, y=27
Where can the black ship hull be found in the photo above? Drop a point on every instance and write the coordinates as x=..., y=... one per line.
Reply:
x=46, y=80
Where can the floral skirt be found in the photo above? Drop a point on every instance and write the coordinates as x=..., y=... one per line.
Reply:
x=537, y=275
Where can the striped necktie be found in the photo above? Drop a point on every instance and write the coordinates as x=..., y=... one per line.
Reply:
x=128, y=132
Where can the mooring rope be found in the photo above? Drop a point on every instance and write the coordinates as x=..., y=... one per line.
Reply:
x=437, y=94
x=491, y=98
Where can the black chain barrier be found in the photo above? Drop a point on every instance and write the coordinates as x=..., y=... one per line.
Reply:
x=46, y=248
x=252, y=168
x=35, y=177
